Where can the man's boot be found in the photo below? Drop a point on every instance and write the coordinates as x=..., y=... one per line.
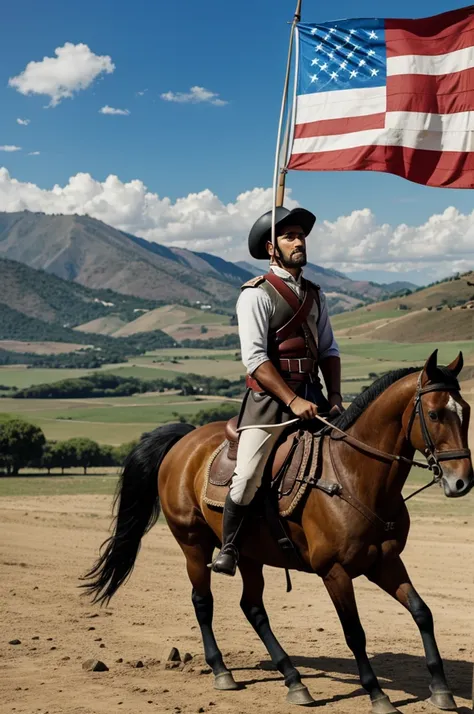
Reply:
x=226, y=561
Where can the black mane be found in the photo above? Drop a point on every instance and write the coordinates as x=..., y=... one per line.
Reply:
x=362, y=401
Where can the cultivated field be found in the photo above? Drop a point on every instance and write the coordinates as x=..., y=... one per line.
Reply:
x=47, y=541
x=120, y=419
x=107, y=421
x=177, y=321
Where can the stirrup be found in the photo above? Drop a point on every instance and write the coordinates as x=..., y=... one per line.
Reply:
x=226, y=560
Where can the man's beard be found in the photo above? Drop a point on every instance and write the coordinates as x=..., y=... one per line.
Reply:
x=297, y=259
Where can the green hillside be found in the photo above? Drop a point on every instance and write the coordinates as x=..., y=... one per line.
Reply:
x=51, y=299
x=442, y=311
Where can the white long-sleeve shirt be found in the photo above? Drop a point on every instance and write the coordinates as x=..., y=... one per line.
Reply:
x=254, y=310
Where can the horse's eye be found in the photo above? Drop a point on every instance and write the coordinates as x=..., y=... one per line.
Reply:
x=433, y=415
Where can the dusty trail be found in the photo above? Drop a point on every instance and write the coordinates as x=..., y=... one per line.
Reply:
x=45, y=543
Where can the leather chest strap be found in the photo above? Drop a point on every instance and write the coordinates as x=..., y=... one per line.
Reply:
x=301, y=308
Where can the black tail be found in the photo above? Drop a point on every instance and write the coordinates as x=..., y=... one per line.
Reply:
x=138, y=511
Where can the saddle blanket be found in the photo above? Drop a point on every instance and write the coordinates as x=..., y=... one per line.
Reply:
x=301, y=468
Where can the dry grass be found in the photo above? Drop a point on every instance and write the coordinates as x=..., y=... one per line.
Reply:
x=40, y=348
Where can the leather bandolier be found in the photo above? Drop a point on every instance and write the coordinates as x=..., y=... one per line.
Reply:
x=292, y=347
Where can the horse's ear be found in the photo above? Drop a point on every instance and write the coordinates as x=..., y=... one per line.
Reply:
x=430, y=368
x=456, y=365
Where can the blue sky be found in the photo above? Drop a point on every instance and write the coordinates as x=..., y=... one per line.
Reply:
x=236, y=50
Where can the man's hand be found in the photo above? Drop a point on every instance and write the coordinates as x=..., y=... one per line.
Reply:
x=335, y=401
x=303, y=409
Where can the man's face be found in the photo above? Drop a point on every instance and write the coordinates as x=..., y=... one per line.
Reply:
x=292, y=247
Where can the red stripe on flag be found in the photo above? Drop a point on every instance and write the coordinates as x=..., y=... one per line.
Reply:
x=431, y=94
x=400, y=42
x=332, y=127
x=431, y=168
x=415, y=33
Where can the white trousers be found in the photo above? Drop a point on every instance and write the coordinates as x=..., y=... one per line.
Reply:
x=255, y=445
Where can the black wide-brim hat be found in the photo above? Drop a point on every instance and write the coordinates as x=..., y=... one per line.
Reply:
x=261, y=231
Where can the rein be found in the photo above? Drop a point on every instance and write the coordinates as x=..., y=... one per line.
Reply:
x=433, y=456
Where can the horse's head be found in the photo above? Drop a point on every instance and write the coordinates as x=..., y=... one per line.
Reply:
x=437, y=424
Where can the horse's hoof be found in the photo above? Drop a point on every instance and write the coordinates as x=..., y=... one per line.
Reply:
x=443, y=700
x=383, y=705
x=225, y=682
x=299, y=694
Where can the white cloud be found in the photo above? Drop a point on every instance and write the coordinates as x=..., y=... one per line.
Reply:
x=357, y=241
x=201, y=221
x=74, y=68
x=34, y=153
x=141, y=92
x=195, y=95
x=111, y=110
x=10, y=147
x=23, y=122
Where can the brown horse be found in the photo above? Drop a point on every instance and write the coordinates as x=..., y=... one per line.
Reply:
x=339, y=539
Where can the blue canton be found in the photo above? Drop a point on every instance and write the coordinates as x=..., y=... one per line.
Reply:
x=347, y=54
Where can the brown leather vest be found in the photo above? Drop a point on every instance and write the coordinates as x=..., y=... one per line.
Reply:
x=294, y=353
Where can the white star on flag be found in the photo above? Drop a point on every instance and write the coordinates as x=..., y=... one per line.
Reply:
x=314, y=78
x=334, y=75
x=361, y=63
x=374, y=72
x=371, y=53
x=314, y=30
x=353, y=32
x=315, y=61
x=324, y=67
x=354, y=73
x=373, y=35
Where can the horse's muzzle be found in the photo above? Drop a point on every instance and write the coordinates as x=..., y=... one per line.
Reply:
x=455, y=485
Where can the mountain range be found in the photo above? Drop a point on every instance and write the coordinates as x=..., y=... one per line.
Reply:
x=333, y=280
x=89, y=252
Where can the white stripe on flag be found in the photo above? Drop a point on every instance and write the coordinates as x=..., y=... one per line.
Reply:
x=340, y=104
x=417, y=121
x=456, y=61
x=428, y=140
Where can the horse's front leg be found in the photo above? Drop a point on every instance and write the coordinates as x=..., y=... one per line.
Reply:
x=392, y=577
x=341, y=590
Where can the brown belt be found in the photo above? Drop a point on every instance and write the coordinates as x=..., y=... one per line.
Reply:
x=298, y=365
x=296, y=369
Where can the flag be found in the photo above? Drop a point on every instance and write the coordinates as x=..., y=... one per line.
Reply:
x=387, y=95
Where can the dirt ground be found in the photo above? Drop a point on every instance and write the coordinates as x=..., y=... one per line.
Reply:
x=47, y=542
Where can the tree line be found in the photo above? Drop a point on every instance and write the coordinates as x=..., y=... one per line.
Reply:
x=103, y=384
x=24, y=445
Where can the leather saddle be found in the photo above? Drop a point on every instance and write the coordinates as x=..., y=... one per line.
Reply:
x=290, y=468
x=219, y=471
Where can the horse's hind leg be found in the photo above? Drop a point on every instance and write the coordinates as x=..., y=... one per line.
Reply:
x=254, y=610
x=197, y=558
x=393, y=578
x=341, y=590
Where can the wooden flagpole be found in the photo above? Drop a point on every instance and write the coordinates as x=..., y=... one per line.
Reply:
x=283, y=150
x=279, y=174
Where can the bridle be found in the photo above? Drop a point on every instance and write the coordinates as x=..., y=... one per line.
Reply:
x=433, y=456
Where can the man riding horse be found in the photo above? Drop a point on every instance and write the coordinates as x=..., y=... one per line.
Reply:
x=285, y=336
